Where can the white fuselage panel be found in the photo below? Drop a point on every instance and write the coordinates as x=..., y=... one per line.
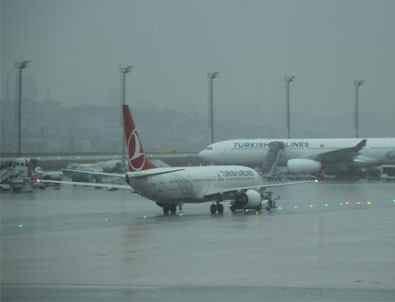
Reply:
x=192, y=184
x=253, y=151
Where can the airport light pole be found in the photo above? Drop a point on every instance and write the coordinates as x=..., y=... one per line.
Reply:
x=20, y=65
x=211, y=76
x=288, y=80
x=123, y=71
x=357, y=84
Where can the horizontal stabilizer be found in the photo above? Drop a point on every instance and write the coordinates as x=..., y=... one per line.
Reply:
x=153, y=172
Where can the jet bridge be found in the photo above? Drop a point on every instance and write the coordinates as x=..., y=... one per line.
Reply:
x=271, y=159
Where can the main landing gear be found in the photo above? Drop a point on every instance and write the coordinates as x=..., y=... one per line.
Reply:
x=172, y=208
x=169, y=208
x=217, y=207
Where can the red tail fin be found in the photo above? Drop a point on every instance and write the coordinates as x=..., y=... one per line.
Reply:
x=137, y=159
x=31, y=172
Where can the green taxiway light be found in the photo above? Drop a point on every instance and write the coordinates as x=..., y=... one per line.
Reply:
x=326, y=205
x=21, y=225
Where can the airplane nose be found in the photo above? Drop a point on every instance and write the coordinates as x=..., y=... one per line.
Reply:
x=204, y=154
x=201, y=154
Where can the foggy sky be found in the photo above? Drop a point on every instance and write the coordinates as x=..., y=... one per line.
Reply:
x=77, y=46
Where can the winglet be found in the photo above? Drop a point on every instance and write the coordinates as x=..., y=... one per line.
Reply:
x=137, y=159
x=361, y=144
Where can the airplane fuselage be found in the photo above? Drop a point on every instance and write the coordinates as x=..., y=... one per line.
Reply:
x=192, y=184
x=251, y=152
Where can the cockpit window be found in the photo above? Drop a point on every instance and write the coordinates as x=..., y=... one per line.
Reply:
x=209, y=148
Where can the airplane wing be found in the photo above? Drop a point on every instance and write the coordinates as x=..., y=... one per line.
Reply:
x=231, y=193
x=95, y=173
x=89, y=184
x=140, y=174
x=137, y=174
x=341, y=154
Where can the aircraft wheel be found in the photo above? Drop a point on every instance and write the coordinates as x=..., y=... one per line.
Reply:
x=173, y=209
x=220, y=208
x=166, y=210
x=213, y=208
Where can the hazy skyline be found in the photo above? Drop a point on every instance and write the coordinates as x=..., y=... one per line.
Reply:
x=77, y=47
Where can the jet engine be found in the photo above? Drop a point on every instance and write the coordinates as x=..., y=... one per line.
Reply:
x=300, y=166
x=251, y=199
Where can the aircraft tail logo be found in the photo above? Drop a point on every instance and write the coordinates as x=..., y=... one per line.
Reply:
x=136, y=154
x=137, y=158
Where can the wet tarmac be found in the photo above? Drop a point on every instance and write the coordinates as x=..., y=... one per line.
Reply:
x=326, y=242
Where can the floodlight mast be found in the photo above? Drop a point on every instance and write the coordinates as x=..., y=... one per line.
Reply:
x=211, y=76
x=124, y=71
x=20, y=65
x=288, y=80
x=357, y=84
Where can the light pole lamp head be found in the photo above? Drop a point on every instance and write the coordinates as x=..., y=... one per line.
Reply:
x=22, y=65
x=126, y=69
x=289, y=79
x=359, y=83
x=213, y=75
x=129, y=68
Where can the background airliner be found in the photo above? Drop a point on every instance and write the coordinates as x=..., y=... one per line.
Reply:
x=340, y=155
x=172, y=186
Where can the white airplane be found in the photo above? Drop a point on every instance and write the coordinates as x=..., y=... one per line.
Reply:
x=303, y=155
x=108, y=166
x=45, y=174
x=170, y=187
